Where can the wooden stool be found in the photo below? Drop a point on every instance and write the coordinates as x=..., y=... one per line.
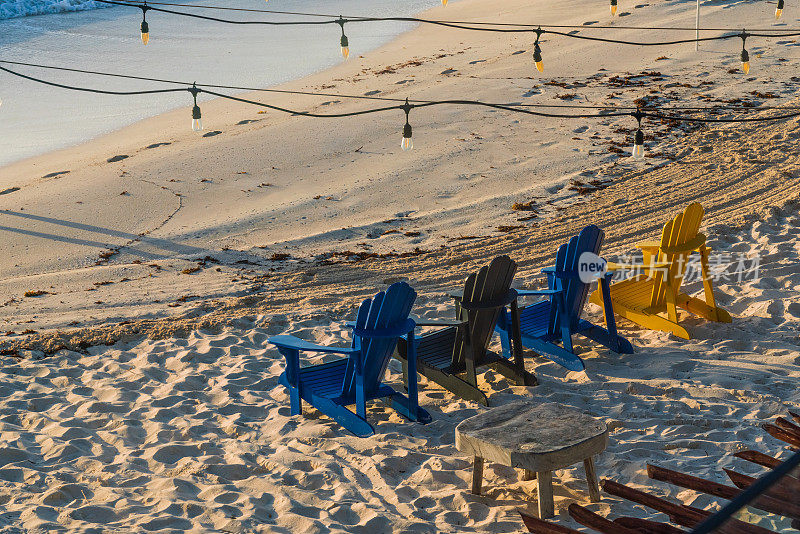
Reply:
x=538, y=438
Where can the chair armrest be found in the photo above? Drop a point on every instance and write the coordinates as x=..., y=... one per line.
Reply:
x=612, y=266
x=291, y=342
x=648, y=244
x=457, y=294
x=563, y=275
x=441, y=324
x=537, y=292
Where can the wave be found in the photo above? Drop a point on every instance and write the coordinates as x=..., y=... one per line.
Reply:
x=10, y=9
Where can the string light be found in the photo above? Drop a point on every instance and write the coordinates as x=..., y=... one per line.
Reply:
x=745, y=56
x=145, y=26
x=344, y=42
x=197, y=121
x=474, y=26
x=638, y=139
x=537, y=52
x=407, y=143
x=613, y=7
x=779, y=10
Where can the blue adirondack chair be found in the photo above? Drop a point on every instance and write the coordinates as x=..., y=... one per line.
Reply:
x=546, y=323
x=331, y=387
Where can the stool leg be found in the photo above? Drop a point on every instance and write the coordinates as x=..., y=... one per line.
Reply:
x=591, y=479
x=544, y=481
x=477, y=475
x=527, y=474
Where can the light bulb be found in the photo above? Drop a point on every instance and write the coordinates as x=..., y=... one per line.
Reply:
x=613, y=7
x=779, y=10
x=407, y=143
x=145, y=32
x=745, y=61
x=444, y=2
x=638, y=145
x=197, y=121
x=537, y=57
x=345, y=47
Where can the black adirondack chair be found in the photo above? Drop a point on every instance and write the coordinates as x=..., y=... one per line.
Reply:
x=452, y=356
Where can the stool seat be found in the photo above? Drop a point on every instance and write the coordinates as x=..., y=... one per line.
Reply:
x=538, y=438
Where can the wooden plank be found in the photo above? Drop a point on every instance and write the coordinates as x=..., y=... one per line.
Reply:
x=594, y=521
x=692, y=482
x=781, y=434
x=780, y=499
x=788, y=426
x=648, y=527
x=539, y=526
x=683, y=515
x=544, y=483
x=759, y=458
x=765, y=502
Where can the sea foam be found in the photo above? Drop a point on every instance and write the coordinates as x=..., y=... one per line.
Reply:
x=10, y=9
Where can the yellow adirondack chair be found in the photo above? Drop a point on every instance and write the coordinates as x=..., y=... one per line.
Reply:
x=646, y=298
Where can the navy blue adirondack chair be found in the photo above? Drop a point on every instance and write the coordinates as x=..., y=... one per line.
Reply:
x=331, y=387
x=546, y=323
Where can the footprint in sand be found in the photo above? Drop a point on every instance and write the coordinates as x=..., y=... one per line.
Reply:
x=94, y=514
x=448, y=71
x=370, y=93
x=117, y=158
x=156, y=145
x=9, y=190
x=477, y=61
x=590, y=22
x=639, y=6
x=212, y=133
x=245, y=121
x=518, y=52
x=403, y=81
x=624, y=14
x=532, y=92
x=53, y=175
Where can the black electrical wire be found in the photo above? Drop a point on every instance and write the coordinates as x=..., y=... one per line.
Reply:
x=384, y=99
x=99, y=91
x=366, y=97
x=462, y=26
x=414, y=19
x=194, y=89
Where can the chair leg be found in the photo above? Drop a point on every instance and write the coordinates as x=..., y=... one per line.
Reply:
x=477, y=475
x=544, y=482
x=708, y=287
x=527, y=474
x=523, y=377
x=502, y=330
x=591, y=479
x=295, y=402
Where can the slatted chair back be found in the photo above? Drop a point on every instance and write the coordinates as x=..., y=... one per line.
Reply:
x=385, y=311
x=679, y=238
x=565, y=276
x=489, y=285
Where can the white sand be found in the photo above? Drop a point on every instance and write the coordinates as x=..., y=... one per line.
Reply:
x=195, y=433
x=179, y=423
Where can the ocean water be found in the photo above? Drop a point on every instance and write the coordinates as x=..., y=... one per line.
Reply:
x=10, y=9
x=36, y=119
